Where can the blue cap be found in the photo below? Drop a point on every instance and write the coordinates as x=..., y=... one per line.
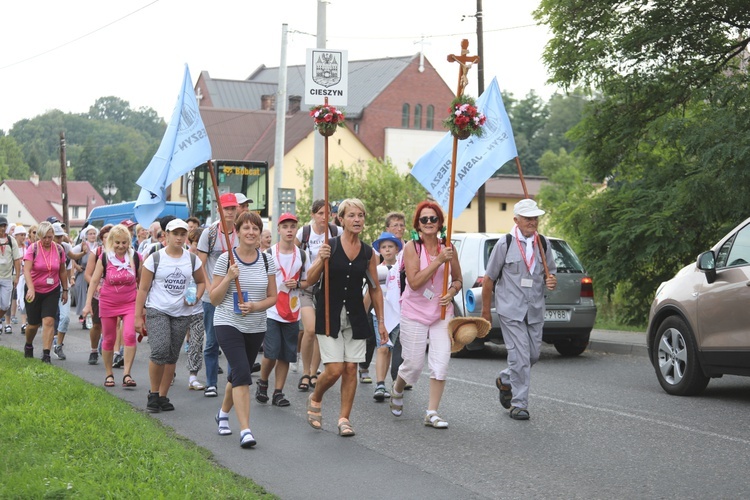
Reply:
x=386, y=236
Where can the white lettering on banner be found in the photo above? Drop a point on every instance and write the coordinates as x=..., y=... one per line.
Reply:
x=327, y=92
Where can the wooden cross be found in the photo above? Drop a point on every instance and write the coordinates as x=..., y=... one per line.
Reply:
x=466, y=62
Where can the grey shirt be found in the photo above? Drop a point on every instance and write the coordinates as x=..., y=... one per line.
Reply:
x=512, y=300
x=220, y=246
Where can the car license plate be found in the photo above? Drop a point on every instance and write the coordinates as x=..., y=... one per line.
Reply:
x=557, y=315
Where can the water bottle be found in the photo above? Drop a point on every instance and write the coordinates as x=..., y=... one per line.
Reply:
x=89, y=321
x=191, y=292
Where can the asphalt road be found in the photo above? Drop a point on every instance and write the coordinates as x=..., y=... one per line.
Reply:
x=601, y=427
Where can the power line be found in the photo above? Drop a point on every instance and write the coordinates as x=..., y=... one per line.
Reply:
x=78, y=38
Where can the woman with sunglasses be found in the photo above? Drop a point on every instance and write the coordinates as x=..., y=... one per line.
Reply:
x=421, y=304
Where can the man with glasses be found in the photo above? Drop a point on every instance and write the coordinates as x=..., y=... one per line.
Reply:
x=519, y=302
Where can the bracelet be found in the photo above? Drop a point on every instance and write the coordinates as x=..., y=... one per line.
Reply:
x=65, y=289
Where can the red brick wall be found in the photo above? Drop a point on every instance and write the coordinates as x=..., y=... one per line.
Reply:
x=411, y=87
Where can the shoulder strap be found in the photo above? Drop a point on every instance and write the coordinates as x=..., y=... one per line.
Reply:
x=333, y=228
x=305, y=236
x=157, y=257
x=544, y=242
x=192, y=262
x=265, y=260
x=136, y=261
x=302, y=257
x=104, y=265
x=213, y=231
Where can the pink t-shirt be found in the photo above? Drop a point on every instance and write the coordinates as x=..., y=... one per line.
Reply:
x=414, y=303
x=118, y=291
x=45, y=268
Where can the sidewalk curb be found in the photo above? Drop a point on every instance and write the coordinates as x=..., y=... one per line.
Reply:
x=617, y=348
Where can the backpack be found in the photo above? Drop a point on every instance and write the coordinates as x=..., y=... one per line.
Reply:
x=157, y=257
x=61, y=251
x=306, y=230
x=136, y=261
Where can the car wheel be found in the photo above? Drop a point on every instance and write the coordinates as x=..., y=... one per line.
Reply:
x=676, y=359
x=571, y=347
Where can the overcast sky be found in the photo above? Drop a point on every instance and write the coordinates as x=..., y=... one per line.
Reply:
x=65, y=55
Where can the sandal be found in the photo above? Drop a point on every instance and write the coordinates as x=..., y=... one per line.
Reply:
x=224, y=430
x=364, y=377
x=303, y=386
x=279, y=399
x=194, y=385
x=345, y=428
x=397, y=402
x=108, y=382
x=434, y=420
x=314, y=416
x=517, y=413
x=506, y=394
x=312, y=384
x=127, y=381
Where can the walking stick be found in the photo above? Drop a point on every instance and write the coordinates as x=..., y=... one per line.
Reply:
x=224, y=228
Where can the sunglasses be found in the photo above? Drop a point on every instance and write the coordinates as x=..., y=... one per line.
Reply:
x=33, y=232
x=431, y=218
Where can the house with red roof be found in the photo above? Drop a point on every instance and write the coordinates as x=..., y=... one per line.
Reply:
x=32, y=201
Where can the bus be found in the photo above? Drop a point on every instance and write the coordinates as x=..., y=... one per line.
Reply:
x=232, y=176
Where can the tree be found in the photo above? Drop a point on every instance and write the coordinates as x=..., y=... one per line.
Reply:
x=668, y=133
x=12, y=165
x=379, y=185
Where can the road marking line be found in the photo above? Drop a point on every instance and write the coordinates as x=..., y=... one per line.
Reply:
x=621, y=414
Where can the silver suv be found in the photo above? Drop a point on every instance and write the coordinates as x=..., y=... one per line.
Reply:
x=570, y=313
x=699, y=324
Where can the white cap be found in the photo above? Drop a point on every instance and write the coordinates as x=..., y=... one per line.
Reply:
x=177, y=224
x=57, y=228
x=20, y=230
x=527, y=208
x=242, y=199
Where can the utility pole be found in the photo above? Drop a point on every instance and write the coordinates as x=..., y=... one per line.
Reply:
x=481, y=200
x=64, y=180
x=278, y=163
x=320, y=144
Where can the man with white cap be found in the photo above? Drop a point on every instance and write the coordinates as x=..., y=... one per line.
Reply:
x=243, y=203
x=519, y=301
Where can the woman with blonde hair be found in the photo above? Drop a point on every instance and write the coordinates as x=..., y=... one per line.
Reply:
x=46, y=284
x=117, y=269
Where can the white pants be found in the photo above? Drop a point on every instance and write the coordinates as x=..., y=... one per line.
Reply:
x=413, y=338
x=523, y=342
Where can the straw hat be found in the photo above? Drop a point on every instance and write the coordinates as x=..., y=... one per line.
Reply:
x=464, y=331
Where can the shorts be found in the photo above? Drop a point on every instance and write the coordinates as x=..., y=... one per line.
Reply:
x=95, y=319
x=281, y=341
x=392, y=335
x=345, y=348
x=43, y=306
x=6, y=293
x=306, y=299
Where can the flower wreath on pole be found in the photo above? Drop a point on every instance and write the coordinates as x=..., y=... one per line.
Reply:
x=465, y=119
x=327, y=118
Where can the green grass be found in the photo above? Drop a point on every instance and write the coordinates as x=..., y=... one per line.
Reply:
x=60, y=437
x=607, y=319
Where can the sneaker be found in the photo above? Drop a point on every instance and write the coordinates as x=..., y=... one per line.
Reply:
x=8, y=329
x=118, y=361
x=93, y=358
x=364, y=377
x=279, y=399
x=295, y=366
x=210, y=392
x=14, y=320
x=46, y=359
x=255, y=368
x=28, y=351
x=379, y=393
x=23, y=329
x=261, y=392
x=59, y=351
x=247, y=440
x=153, y=403
x=164, y=404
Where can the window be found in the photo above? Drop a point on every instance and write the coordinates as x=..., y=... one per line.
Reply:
x=430, y=117
x=405, y=115
x=738, y=250
x=75, y=211
x=418, y=116
x=3, y=209
x=503, y=207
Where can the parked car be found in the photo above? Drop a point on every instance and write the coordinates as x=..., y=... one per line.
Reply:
x=699, y=323
x=570, y=313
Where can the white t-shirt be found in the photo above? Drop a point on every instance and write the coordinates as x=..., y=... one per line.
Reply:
x=254, y=282
x=390, y=282
x=171, y=278
x=289, y=266
x=313, y=244
x=9, y=253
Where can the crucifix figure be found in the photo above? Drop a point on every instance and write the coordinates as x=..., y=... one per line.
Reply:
x=466, y=62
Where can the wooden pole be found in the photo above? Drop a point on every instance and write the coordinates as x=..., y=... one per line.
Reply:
x=64, y=180
x=465, y=61
x=240, y=299
x=536, y=235
x=326, y=288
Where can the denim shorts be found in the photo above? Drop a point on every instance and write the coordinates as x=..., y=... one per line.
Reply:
x=392, y=335
x=281, y=341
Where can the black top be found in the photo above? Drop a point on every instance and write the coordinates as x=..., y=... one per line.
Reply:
x=347, y=278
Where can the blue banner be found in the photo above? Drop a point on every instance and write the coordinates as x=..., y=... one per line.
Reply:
x=184, y=146
x=477, y=158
